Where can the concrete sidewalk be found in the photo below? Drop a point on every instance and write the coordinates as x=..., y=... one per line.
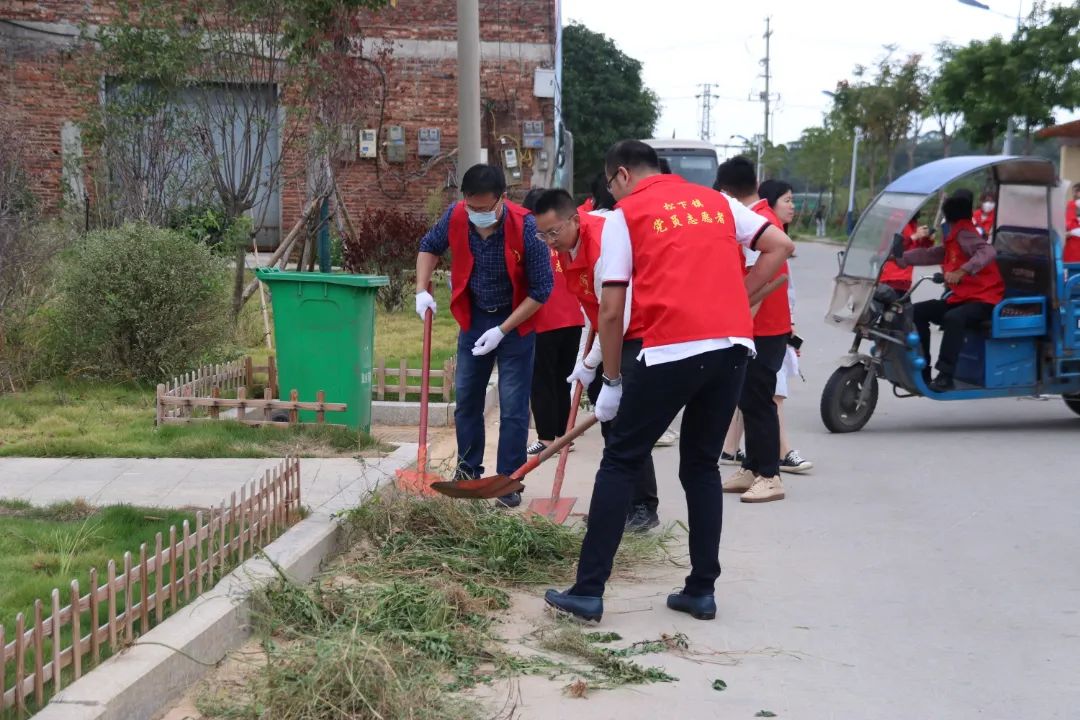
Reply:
x=329, y=484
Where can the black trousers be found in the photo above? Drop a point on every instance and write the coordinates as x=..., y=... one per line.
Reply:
x=556, y=353
x=708, y=387
x=953, y=318
x=645, y=484
x=760, y=419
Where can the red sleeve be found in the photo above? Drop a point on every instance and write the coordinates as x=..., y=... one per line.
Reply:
x=1072, y=222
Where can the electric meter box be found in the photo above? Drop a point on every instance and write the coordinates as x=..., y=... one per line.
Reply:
x=369, y=143
x=395, y=144
x=430, y=142
x=532, y=134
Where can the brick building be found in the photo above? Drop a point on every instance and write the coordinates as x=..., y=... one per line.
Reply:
x=38, y=41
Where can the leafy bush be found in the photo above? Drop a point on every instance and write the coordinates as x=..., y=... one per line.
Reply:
x=210, y=225
x=385, y=244
x=137, y=302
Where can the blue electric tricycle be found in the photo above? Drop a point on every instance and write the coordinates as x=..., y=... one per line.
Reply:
x=1031, y=346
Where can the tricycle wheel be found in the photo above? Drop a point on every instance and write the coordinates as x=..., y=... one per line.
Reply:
x=1072, y=402
x=841, y=395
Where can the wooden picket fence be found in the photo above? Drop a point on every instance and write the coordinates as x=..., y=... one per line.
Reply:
x=173, y=410
x=145, y=590
x=403, y=374
x=225, y=378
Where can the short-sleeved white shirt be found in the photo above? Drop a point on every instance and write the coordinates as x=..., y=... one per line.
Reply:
x=617, y=266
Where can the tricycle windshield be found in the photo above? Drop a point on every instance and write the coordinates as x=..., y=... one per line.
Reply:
x=870, y=245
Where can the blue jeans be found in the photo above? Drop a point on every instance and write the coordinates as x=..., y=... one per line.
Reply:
x=515, y=357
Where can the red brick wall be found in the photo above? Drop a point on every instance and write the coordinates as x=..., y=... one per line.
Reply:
x=421, y=93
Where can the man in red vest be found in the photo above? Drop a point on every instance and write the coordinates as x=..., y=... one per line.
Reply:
x=578, y=238
x=974, y=281
x=500, y=275
x=679, y=243
x=558, y=332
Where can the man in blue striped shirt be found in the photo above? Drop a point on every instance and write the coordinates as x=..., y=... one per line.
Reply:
x=500, y=276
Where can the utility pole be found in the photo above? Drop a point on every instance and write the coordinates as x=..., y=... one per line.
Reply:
x=468, y=47
x=706, y=96
x=765, y=99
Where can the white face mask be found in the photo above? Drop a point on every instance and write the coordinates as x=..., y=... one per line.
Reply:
x=483, y=219
x=987, y=206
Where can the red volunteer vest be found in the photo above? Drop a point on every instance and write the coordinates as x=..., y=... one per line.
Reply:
x=984, y=221
x=561, y=309
x=688, y=281
x=1072, y=244
x=896, y=276
x=580, y=271
x=461, y=262
x=774, y=315
x=984, y=286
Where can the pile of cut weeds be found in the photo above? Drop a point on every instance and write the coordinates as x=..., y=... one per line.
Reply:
x=405, y=619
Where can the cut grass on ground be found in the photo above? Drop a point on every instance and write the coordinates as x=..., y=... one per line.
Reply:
x=404, y=620
x=86, y=419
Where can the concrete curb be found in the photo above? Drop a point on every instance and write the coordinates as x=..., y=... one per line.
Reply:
x=144, y=680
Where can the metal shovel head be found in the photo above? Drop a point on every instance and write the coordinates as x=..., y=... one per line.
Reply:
x=413, y=481
x=554, y=509
x=484, y=488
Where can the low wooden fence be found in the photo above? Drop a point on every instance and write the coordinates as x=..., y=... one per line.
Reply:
x=141, y=591
x=225, y=378
x=395, y=381
x=180, y=410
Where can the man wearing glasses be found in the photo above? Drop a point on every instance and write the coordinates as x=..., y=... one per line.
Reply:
x=500, y=275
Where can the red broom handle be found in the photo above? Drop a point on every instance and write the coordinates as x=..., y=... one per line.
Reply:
x=425, y=389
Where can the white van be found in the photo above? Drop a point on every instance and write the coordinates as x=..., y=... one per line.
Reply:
x=694, y=160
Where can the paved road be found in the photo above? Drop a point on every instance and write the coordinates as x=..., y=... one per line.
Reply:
x=927, y=568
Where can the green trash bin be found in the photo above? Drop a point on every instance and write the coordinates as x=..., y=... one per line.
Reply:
x=324, y=324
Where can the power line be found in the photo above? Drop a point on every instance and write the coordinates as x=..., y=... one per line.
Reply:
x=706, y=97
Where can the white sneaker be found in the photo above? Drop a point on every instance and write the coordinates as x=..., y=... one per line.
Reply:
x=740, y=481
x=793, y=462
x=667, y=439
x=764, y=490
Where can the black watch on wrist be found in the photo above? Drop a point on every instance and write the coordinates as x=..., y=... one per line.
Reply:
x=611, y=382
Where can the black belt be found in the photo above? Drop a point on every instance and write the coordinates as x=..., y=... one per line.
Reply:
x=492, y=311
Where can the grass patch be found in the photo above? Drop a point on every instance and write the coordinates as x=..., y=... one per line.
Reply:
x=88, y=419
x=46, y=547
x=405, y=619
x=401, y=334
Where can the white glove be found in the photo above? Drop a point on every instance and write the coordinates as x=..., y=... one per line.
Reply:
x=488, y=341
x=423, y=302
x=607, y=403
x=582, y=373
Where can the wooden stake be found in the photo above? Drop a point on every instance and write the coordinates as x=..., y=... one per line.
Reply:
x=159, y=602
x=241, y=412
x=76, y=629
x=110, y=578
x=129, y=614
x=39, y=652
x=57, y=643
x=186, y=531
x=144, y=591
x=95, y=620
x=215, y=411
x=172, y=568
x=294, y=414
x=198, y=552
x=20, y=663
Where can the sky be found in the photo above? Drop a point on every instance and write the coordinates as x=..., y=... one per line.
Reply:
x=685, y=43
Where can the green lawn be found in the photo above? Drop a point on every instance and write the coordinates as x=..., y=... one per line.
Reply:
x=86, y=419
x=401, y=334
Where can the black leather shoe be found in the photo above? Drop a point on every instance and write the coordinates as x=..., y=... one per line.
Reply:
x=641, y=519
x=702, y=607
x=943, y=383
x=580, y=607
x=509, y=500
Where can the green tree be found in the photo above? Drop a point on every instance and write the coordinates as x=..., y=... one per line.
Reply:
x=1046, y=59
x=978, y=82
x=604, y=99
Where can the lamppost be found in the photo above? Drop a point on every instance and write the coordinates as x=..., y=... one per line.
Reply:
x=760, y=152
x=1007, y=146
x=850, y=224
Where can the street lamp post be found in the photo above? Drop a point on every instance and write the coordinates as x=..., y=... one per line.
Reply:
x=1009, y=131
